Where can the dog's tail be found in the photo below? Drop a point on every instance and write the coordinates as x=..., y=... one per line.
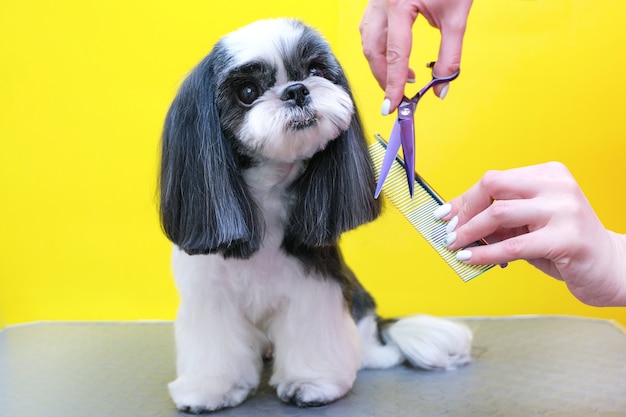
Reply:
x=424, y=341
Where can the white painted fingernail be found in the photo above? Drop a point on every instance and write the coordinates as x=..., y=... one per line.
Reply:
x=444, y=91
x=386, y=107
x=410, y=80
x=442, y=211
x=451, y=226
x=464, y=255
x=449, y=239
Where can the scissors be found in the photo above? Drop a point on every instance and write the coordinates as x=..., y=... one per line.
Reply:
x=403, y=133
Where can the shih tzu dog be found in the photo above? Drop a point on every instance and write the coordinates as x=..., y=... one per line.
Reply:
x=264, y=166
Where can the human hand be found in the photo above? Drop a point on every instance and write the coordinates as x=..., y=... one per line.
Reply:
x=540, y=214
x=386, y=36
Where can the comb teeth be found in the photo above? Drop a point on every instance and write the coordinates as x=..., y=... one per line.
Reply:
x=419, y=210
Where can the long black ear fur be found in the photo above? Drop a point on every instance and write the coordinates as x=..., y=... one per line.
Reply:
x=204, y=205
x=336, y=191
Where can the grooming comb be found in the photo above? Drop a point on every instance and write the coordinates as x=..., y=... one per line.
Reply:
x=419, y=209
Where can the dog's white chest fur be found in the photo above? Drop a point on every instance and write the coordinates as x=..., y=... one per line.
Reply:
x=255, y=286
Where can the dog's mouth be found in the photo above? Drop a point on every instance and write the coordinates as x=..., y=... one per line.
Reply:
x=303, y=119
x=301, y=124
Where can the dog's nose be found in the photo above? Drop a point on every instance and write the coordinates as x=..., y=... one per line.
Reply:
x=297, y=94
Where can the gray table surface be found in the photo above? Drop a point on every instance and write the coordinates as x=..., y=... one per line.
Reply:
x=543, y=366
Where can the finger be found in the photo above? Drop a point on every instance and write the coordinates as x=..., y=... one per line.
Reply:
x=399, y=42
x=494, y=185
x=504, y=217
x=411, y=76
x=374, y=45
x=449, y=59
x=527, y=246
x=505, y=233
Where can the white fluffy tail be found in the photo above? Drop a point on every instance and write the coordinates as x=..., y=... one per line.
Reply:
x=427, y=342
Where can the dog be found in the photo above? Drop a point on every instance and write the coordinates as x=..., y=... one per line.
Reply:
x=264, y=165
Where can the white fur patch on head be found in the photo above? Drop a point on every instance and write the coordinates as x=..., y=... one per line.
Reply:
x=263, y=39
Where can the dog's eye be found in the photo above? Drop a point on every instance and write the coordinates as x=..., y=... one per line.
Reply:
x=316, y=71
x=248, y=93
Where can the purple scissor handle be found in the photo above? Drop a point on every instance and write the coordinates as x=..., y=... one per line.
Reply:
x=403, y=133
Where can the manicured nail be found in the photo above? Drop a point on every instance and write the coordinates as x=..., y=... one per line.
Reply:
x=449, y=239
x=451, y=226
x=442, y=211
x=410, y=80
x=386, y=107
x=464, y=255
x=444, y=91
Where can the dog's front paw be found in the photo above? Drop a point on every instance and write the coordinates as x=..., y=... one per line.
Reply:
x=198, y=397
x=311, y=393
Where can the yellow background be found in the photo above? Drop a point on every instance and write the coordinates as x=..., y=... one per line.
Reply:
x=85, y=85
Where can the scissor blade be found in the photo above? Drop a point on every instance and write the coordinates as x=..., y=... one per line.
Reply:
x=407, y=135
x=393, y=146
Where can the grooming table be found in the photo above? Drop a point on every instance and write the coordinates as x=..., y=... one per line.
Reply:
x=523, y=366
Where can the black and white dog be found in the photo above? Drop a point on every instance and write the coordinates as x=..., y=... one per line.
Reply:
x=264, y=165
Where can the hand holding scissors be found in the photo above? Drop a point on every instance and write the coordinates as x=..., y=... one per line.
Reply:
x=403, y=133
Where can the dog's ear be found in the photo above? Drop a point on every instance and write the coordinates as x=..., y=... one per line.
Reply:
x=204, y=205
x=336, y=191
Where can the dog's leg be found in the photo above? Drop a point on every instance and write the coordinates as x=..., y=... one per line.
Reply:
x=317, y=348
x=218, y=352
x=217, y=364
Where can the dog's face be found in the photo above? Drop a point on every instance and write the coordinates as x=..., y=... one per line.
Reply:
x=279, y=91
x=269, y=92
